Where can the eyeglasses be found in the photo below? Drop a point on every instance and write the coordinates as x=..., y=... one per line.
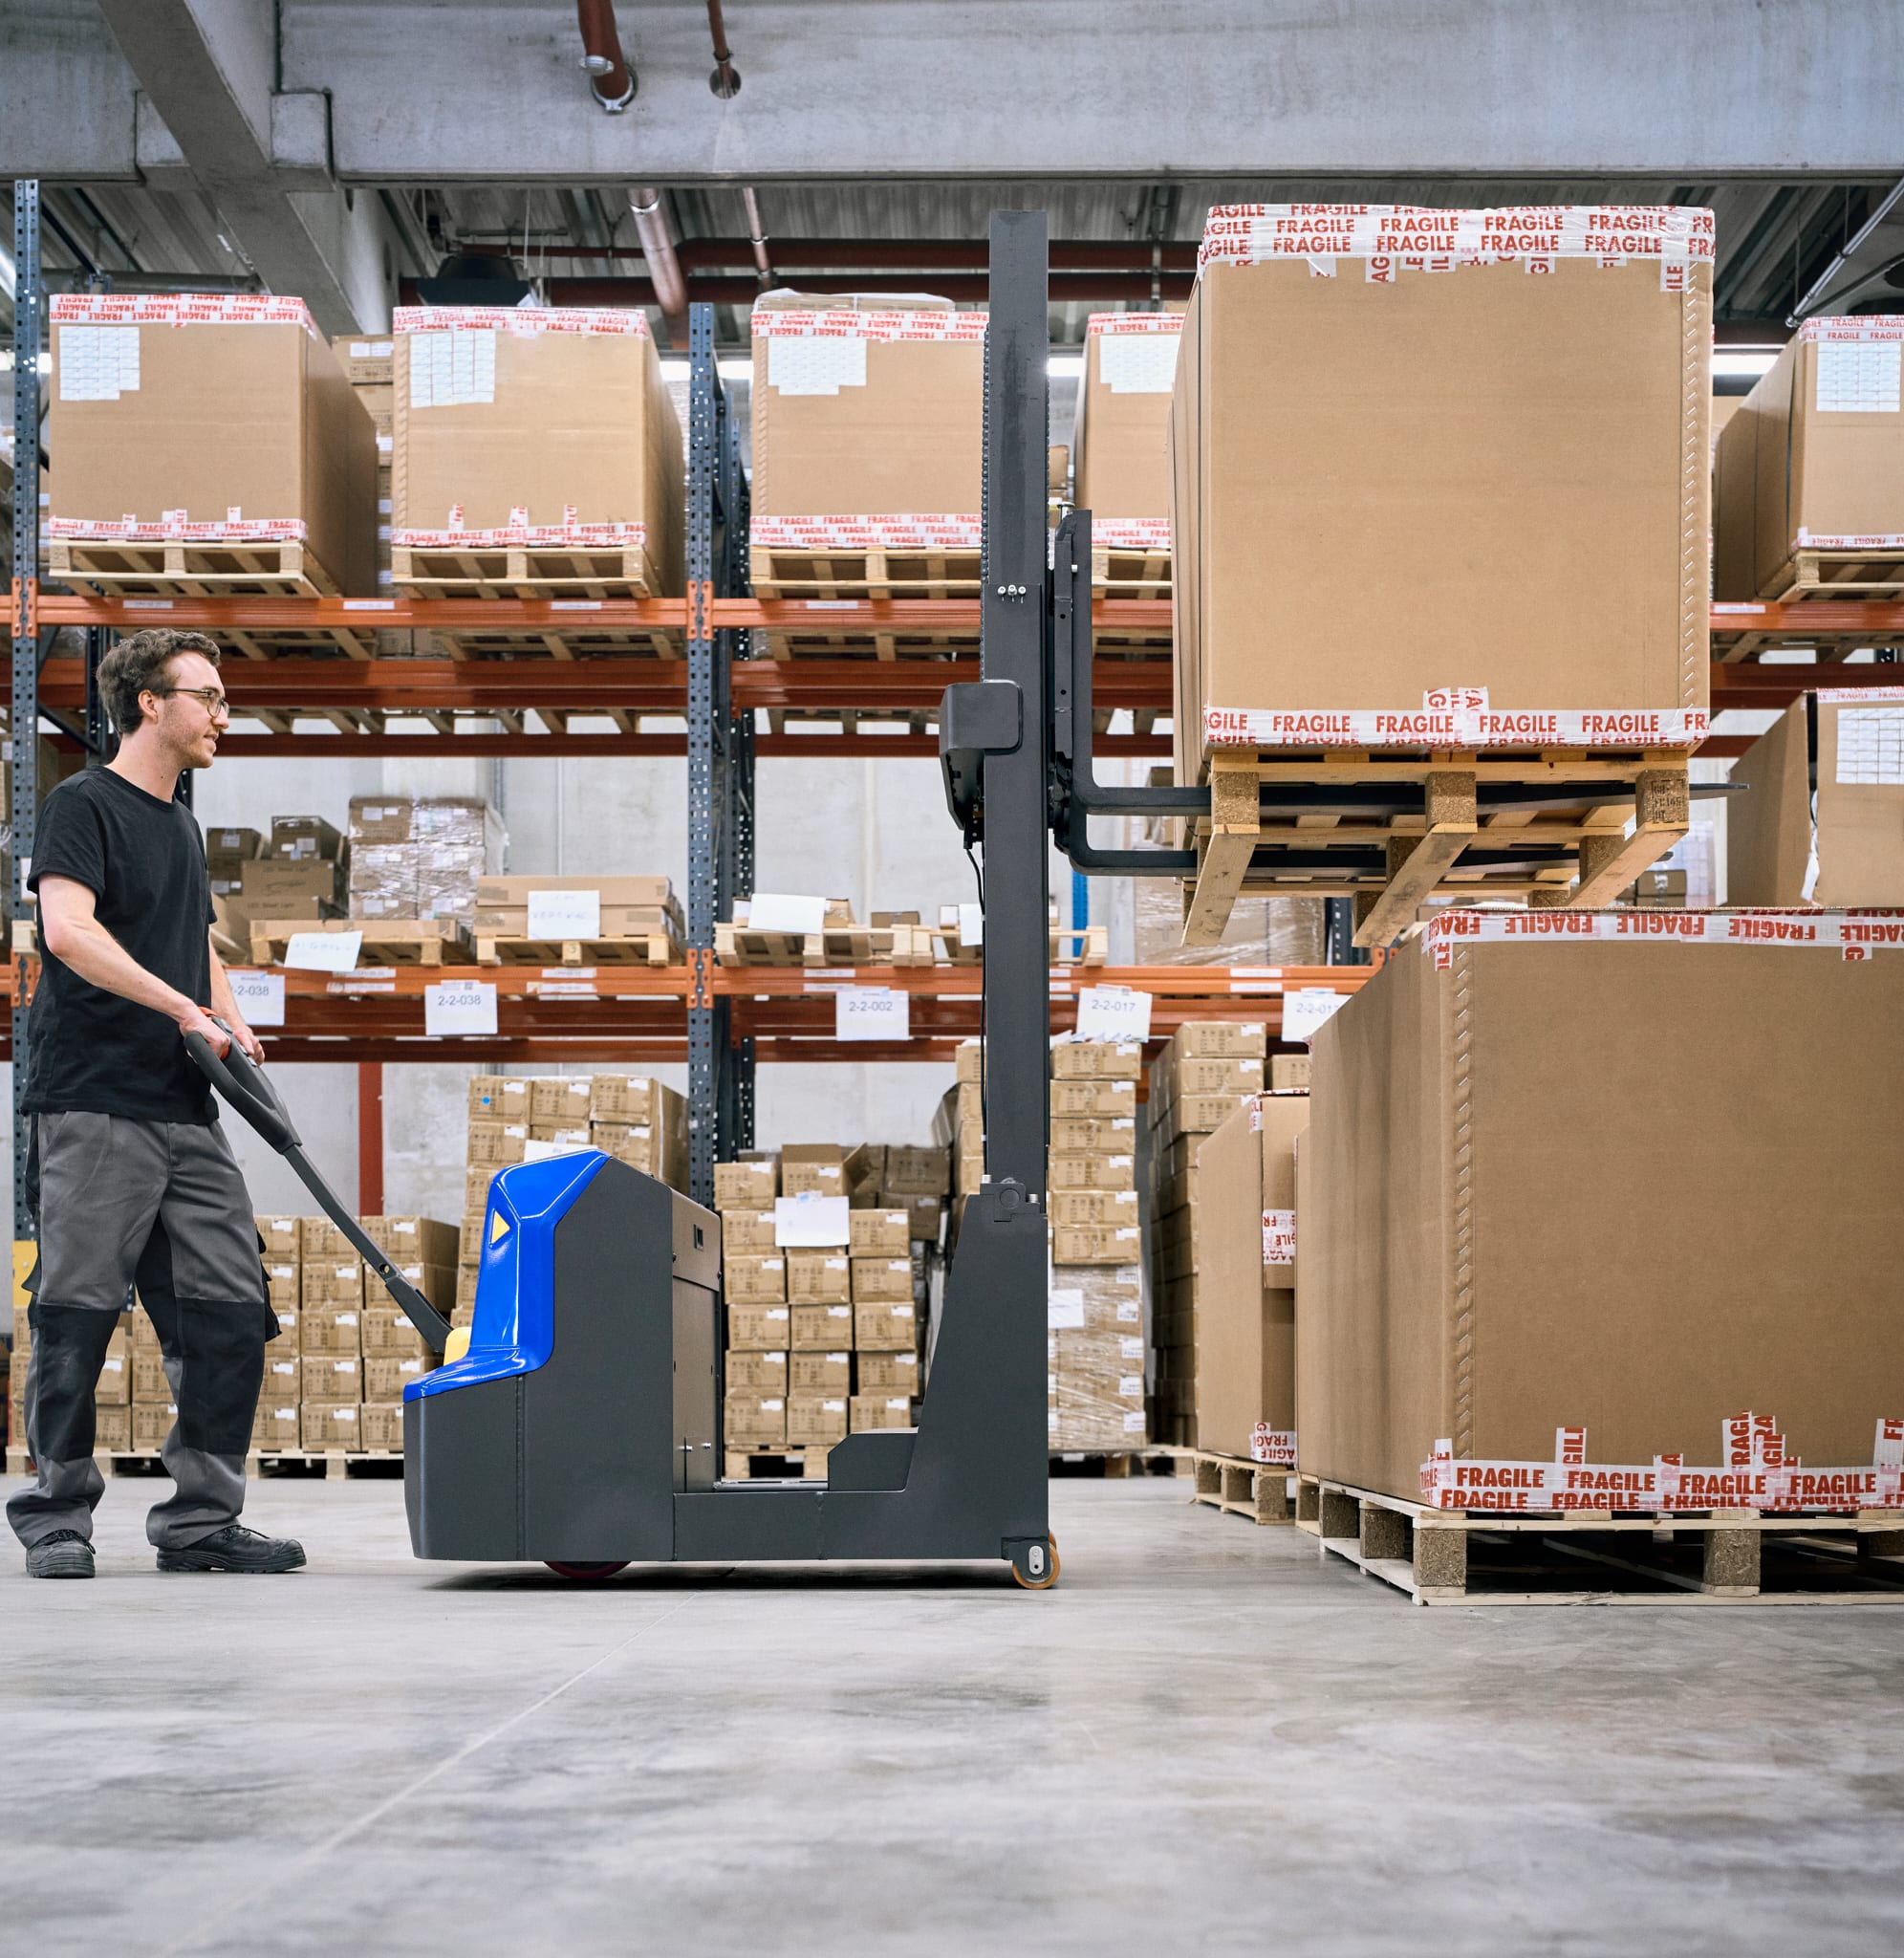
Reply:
x=215, y=703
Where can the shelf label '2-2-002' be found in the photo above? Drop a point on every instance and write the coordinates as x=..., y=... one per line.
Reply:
x=871, y=1012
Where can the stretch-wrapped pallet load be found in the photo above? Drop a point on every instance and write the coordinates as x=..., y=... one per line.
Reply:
x=422, y=856
x=1495, y=1310
x=209, y=422
x=1120, y=443
x=535, y=434
x=1094, y=1337
x=1811, y=467
x=1506, y=410
x=868, y=429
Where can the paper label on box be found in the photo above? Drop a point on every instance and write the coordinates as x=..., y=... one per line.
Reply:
x=97, y=364
x=1129, y=1312
x=1133, y=1420
x=1858, y=378
x=1305, y=1009
x=460, y=1006
x=538, y=1151
x=1063, y=1310
x=453, y=369
x=1279, y=1237
x=814, y=366
x=258, y=995
x=565, y=914
x=323, y=951
x=1871, y=744
x=1138, y=362
x=776, y=911
x=812, y=1223
x=871, y=1012
x=1112, y=1012
x=971, y=924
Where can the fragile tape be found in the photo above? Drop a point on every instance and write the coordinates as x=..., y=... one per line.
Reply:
x=171, y=528
x=1859, y=696
x=1454, y=727
x=1755, y=1471
x=568, y=534
x=1275, y=1447
x=1871, y=540
x=1133, y=322
x=1865, y=329
x=1857, y=934
x=865, y=532
x=1279, y=1228
x=1146, y=533
x=182, y=309
x=772, y=323
x=525, y=322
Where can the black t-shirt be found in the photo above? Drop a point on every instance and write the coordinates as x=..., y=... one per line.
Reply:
x=144, y=860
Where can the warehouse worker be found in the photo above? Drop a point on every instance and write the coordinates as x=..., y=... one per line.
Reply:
x=136, y=1180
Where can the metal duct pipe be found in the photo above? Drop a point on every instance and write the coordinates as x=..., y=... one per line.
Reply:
x=611, y=80
x=757, y=237
x=726, y=80
x=664, y=273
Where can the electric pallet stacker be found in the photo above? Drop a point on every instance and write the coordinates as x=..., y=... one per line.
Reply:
x=581, y=1426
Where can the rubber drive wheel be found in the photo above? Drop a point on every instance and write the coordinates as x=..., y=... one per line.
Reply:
x=587, y=1574
x=1020, y=1566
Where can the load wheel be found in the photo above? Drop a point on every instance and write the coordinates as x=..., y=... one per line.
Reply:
x=587, y=1574
x=1034, y=1563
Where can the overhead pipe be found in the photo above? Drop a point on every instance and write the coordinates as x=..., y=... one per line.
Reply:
x=897, y=255
x=611, y=80
x=962, y=288
x=726, y=80
x=757, y=237
x=664, y=273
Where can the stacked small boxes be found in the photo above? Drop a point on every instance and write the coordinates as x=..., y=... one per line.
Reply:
x=297, y=873
x=640, y=1122
x=759, y=1333
x=960, y=1124
x=425, y=1250
x=1204, y=1074
x=421, y=857
x=1094, y=1316
x=368, y=367
x=277, y=1423
x=330, y=1340
x=499, y=1118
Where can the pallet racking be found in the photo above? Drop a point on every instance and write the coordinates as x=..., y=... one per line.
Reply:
x=723, y=1020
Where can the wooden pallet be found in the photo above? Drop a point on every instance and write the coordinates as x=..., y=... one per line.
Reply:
x=1727, y=1557
x=578, y=579
x=1805, y=578
x=1086, y=945
x=1548, y=827
x=746, y=1465
x=126, y=568
x=839, y=944
x=1838, y=575
x=386, y=941
x=820, y=579
x=651, y=949
x=1128, y=573
x=1257, y=1489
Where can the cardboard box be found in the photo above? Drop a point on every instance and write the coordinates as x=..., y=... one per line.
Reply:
x=466, y=1277
x=884, y=1326
x=288, y=1336
x=476, y=1185
x=270, y=887
x=327, y=1283
x=757, y=1280
x=304, y=840
x=138, y=1430
x=1457, y=1278
x=879, y=1233
x=812, y=1169
x=924, y=1216
x=1812, y=459
x=385, y=1377
x=499, y=423
x=1206, y=1074
x=284, y=1286
x=1398, y=418
x=869, y=1413
x=754, y=1420
x=821, y=1328
x=1094, y=1098
x=1099, y=1060
x=820, y=1372
x=381, y=1426
x=276, y=1426
x=328, y=1426
x=114, y=1386
x=746, y=1185
x=1094, y=1135
x=472, y=1233
x=642, y=891
x=318, y=1238
x=756, y=1373
x=387, y=1334
x=971, y=1064
x=758, y=1328
x=1847, y=808
x=283, y=1381
x=225, y=412
x=917, y=1171
x=497, y=1144
x=499, y=1098
x=1069, y=1209
x=862, y=410
x=1289, y=1074
x=413, y=1240
x=1121, y=441
x=565, y=1138
x=815, y=1420
x=225, y=849
x=333, y=1377
x=748, y=1233
x=1093, y=1172
x=366, y=361
x=284, y=1239
x=818, y=1277
x=638, y=1101
x=563, y=1100
x=894, y=1372
x=1096, y=1298
x=878, y=1279
x=148, y=1378
x=331, y=1330
x=657, y=1151
x=1095, y=1244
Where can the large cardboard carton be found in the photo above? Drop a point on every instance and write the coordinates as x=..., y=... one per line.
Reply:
x=1121, y=443
x=1525, y=457
x=1822, y=818
x=1564, y=1172
x=545, y=429
x=201, y=417
x=1813, y=459
x=868, y=424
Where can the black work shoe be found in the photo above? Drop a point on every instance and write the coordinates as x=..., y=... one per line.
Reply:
x=65, y=1553
x=235, y=1548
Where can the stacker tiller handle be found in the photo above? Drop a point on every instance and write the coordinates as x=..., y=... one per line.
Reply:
x=242, y=1082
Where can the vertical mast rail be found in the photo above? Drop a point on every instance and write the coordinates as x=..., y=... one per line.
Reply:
x=23, y=721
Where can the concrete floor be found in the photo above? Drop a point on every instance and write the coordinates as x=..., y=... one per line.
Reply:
x=1203, y=1741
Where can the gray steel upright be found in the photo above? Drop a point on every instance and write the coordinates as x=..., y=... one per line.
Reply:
x=22, y=722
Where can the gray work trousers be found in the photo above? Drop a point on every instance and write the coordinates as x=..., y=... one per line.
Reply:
x=160, y=1206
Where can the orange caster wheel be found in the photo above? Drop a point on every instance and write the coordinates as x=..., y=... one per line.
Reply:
x=1034, y=1562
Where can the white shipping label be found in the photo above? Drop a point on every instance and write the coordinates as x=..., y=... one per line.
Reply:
x=1134, y=1422
x=1112, y=1012
x=871, y=1012
x=460, y=1006
x=810, y=1223
x=1130, y=1385
x=772, y=911
x=565, y=914
x=1305, y=1010
x=971, y=924
x=1859, y=378
x=323, y=951
x=799, y=365
x=1063, y=1310
x=1138, y=362
x=259, y=995
x=1871, y=743
x=1279, y=1237
x=452, y=370
x=97, y=364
